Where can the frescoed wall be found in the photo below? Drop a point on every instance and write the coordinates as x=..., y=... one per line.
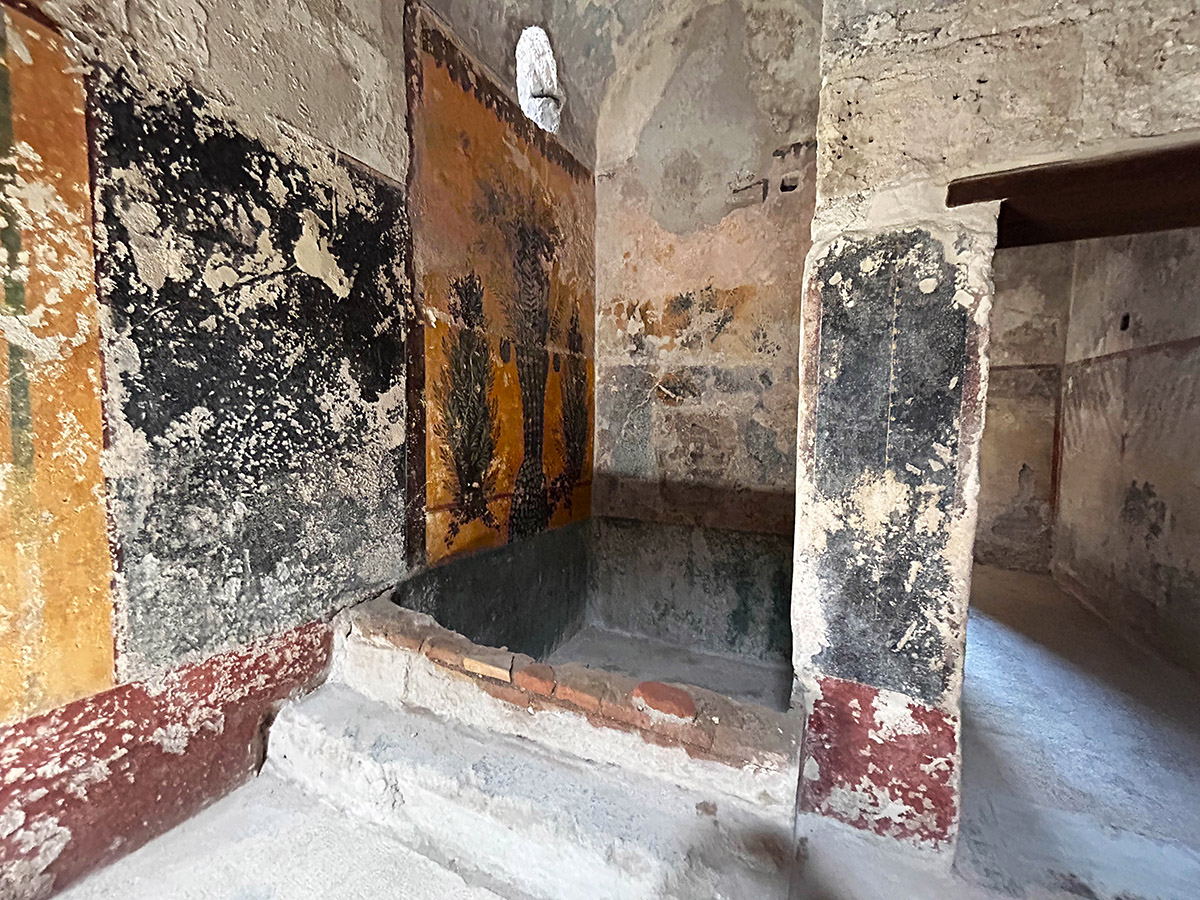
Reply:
x=55, y=570
x=503, y=222
x=203, y=445
x=255, y=394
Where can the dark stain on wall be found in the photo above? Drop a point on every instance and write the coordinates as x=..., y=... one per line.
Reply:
x=258, y=303
x=528, y=596
x=892, y=363
x=1143, y=511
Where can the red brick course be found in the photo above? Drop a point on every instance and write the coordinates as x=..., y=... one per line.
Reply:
x=581, y=687
x=535, y=677
x=663, y=698
x=447, y=649
x=706, y=725
x=505, y=692
x=488, y=662
x=381, y=620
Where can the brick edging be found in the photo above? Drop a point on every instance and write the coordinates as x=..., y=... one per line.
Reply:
x=707, y=725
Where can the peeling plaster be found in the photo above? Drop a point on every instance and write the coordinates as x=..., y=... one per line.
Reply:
x=882, y=762
x=255, y=375
x=97, y=778
x=885, y=510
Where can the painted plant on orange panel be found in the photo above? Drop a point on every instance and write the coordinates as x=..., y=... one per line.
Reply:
x=503, y=229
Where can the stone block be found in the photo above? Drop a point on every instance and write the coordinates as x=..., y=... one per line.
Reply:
x=537, y=678
x=877, y=108
x=489, y=662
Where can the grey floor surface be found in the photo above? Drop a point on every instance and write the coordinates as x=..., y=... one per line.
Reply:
x=1081, y=779
x=651, y=660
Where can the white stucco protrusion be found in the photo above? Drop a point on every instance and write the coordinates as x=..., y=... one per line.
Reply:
x=537, y=79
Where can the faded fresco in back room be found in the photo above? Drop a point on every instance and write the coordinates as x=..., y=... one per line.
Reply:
x=55, y=568
x=503, y=222
x=255, y=379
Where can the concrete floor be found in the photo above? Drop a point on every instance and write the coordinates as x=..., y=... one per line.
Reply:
x=768, y=684
x=1081, y=768
x=1081, y=779
x=271, y=841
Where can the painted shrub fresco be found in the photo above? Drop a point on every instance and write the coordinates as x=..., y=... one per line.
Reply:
x=503, y=225
x=55, y=568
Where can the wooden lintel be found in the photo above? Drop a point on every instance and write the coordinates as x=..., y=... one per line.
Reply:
x=1122, y=193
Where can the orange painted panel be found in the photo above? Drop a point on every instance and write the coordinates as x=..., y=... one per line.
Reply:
x=56, y=641
x=503, y=225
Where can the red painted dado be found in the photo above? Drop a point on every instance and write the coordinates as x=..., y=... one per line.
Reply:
x=94, y=780
x=882, y=762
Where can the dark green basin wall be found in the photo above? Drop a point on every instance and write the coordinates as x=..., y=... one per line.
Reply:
x=704, y=588
x=707, y=589
x=528, y=596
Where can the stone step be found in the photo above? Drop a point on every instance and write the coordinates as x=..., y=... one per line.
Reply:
x=682, y=734
x=504, y=813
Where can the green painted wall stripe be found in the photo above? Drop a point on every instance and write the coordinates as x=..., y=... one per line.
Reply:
x=20, y=406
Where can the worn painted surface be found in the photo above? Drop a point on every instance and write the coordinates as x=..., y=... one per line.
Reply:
x=255, y=375
x=529, y=595
x=883, y=521
x=1018, y=457
x=55, y=570
x=700, y=588
x=97, y=778
x=1129, y=519
x=1017, y=468
x=333, y=71
x=882, y=762
x=503, y=218
x=704, y=199
x=704, y=193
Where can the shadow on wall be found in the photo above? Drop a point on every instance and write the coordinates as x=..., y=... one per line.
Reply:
x=730, y=507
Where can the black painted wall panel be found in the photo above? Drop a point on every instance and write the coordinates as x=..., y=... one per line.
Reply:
x=892, y=363
x=256, y=303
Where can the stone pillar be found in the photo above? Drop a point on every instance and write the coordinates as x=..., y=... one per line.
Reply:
x=893, y=383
